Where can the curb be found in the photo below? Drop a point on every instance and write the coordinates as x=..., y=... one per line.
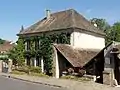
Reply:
x=58, y=86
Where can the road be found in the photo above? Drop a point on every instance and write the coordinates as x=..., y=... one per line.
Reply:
x=13, y=84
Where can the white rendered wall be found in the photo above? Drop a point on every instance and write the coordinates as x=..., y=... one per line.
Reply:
x=86, y=41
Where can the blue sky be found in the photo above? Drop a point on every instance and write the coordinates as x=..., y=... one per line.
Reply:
x=14, y=13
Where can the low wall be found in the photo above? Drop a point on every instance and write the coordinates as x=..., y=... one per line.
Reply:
x=0, y=66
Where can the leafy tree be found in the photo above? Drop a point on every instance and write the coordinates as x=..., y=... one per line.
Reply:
x=20, y=52
x=115, y=32
x=13, y=55
x=101, y=23
x=112, y=32
x=17, y=53
x=2, y=41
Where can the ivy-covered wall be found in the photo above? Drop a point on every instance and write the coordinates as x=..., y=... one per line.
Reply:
x=41, y=46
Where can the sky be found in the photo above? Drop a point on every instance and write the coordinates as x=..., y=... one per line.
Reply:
x=15, y=13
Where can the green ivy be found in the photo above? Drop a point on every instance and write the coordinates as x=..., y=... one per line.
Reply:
x=3, y=58
x=45, y=50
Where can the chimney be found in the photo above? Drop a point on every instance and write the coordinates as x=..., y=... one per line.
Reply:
x=22, y=28
x=48, y=13
x=95, y=24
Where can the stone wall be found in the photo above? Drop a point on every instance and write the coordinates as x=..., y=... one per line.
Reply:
x=6, y=67
x=0, y=66
x=107, y=78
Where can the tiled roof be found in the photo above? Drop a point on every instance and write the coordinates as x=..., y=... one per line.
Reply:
x=6, y=46
x=62, y=20
x=77, y=57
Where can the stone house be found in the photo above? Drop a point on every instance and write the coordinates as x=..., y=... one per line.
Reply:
x=4, y=60
x=86, y=40
x=112, y=64
x=106, y=65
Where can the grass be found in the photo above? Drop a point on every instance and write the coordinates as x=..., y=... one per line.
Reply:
x=38, y=74
x=81, y=79
x=18, y=72
x=75, y=78
x=31, y=73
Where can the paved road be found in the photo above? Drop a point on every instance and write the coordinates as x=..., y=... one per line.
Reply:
x=13, y=84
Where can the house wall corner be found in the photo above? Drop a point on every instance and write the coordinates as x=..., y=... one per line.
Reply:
x=55, y=68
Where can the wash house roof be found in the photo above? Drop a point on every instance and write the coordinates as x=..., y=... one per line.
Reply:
x=77, y=57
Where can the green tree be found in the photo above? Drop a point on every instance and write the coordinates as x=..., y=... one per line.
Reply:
x=2, y=41
x=102, y=24
x=115, y=32
x=13, y=55
x=17, y=53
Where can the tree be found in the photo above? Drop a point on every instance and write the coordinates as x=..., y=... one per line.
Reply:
x=115, y=32
x=17, y=53
x=2, y=41
x=13, y=55
x=102, y=24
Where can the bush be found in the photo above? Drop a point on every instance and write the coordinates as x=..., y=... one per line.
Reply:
x=23, y=69
x=35, y=69
x=28, y=69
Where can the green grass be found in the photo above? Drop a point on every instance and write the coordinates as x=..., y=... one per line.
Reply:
x=75, y=78
x=18, y=72
x=38, y=74
x=31, y=73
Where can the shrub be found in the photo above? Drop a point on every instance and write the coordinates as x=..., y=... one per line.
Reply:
x=23, y=69
x=28, y=69
x=35, y=69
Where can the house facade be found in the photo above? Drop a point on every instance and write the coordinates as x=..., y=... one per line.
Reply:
x=85, y=39
x=4, y=59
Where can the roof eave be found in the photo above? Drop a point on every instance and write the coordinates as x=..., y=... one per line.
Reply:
x=101, y=34
x=67, y=58
x=20, y=34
